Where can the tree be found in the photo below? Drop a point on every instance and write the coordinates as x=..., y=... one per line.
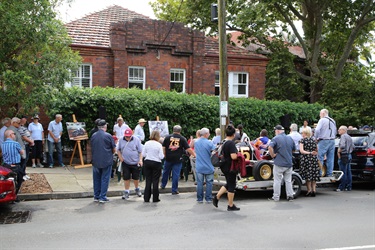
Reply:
x=35, y=56
x=333, y=32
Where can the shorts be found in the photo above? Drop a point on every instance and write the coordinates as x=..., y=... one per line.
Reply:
x=130, y=172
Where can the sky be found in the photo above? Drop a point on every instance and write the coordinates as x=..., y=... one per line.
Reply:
x=80, y=8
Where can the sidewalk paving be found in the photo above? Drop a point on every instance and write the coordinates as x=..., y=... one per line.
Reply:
x=69, y=182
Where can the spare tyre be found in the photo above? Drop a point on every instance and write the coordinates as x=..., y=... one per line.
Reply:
x=262, y=171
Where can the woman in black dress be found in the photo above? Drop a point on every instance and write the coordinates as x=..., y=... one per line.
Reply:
x=309, y=161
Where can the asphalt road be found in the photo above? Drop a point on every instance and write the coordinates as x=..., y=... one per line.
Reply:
x=344, y=220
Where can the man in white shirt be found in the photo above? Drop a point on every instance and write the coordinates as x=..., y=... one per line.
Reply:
x=138, y=131
x=119, y=128
x=295, y=135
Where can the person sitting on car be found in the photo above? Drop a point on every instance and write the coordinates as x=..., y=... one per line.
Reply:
x=262, y=141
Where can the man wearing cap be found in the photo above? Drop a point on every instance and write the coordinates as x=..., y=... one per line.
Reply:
x=129, y=151
x=55, y=130
x=102, y=148
x=325, y=132
x=173, y=147
x=119, y=128
x=281, y=149
x=138, y=131
x=36, y=130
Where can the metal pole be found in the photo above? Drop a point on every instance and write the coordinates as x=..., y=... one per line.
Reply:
x=224, y=105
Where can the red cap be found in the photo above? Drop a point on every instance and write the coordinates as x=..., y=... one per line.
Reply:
x=128, y=132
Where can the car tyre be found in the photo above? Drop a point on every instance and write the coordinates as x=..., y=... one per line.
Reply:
x=262, y=171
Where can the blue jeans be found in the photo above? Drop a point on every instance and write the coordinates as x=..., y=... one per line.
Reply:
x=209, y=180
x=175, y=168
x=101, y=178
x=327, y=148
x=346, y=180
x=51, y=146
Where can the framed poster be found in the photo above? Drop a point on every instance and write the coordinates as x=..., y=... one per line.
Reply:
x=161, y=126
x=77, y=131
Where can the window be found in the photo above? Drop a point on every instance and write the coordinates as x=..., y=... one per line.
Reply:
x=177, y=80
x=137, y=77
x=217, y=83
x=237, y=84
x=82, y=77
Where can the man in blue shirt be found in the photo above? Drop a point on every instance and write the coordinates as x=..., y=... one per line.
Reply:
x=281, y=149
x=325, y=133
x=55, y=130
x=204, y=168
x=102, y=147
x=129, y=151
x=12, y=156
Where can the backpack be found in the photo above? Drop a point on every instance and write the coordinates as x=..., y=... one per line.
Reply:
x=217, y=157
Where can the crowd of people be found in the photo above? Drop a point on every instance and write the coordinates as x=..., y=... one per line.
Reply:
x=161, y=158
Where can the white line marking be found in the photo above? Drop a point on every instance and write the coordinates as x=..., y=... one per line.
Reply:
x=350, y=248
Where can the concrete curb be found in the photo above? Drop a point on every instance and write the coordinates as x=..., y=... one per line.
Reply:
x=77, y=195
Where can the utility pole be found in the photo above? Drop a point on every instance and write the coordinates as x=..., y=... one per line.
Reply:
x=224, y=104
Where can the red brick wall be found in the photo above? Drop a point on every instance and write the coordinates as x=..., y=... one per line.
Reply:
x=140, y=43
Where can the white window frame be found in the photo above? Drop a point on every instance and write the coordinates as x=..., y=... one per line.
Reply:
x=235, y=82
x=217, y=83
x=178, y=81
x=79, y=76
x=138, y=79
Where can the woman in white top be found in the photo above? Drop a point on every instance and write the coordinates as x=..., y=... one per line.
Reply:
x=36, y=130
x=153, y=154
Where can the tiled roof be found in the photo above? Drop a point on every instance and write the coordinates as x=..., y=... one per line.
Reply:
x=93, y=29
x=295, y=50
x=212, y=48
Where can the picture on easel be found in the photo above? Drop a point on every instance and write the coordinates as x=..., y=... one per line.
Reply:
x=161, y=126
x=77, y=131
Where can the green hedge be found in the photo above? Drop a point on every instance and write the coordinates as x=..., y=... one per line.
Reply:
x=192, y=112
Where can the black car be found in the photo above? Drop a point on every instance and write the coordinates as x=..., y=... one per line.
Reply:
x=363, y=162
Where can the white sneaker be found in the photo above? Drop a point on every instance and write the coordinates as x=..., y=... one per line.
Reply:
x=26, y=178
x=40, y=165
x=33, y=166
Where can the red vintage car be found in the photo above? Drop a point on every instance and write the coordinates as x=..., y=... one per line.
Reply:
x=7, y=185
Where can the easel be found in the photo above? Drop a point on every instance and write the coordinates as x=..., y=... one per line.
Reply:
x=78, y=143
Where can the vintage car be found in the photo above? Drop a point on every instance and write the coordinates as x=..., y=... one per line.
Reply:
x=7, y=185
x=259, y=165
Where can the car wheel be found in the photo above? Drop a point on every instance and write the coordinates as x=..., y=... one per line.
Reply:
x=262, y=171
x=296, y=186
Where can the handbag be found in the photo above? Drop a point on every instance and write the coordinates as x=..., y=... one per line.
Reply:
x=320, y=165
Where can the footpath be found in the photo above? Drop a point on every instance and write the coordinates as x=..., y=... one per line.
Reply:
x=69, y=182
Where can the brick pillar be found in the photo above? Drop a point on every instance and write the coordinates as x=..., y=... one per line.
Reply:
x=117, y=35
x=197, y=74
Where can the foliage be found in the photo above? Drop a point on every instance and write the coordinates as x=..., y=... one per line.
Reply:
x=192, y=112
x=353, y=95
x=332, y=31
x=35, y=57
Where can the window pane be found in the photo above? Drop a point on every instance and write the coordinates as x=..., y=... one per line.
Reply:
x=86, y=83
x=242, y=89
x=176, y=87
x=86, y=71
x=136, y=84
x=217, y=90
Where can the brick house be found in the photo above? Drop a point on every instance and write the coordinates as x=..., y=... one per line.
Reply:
x=121, y=48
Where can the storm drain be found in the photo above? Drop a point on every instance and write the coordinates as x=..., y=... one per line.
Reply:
x=15, y=217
